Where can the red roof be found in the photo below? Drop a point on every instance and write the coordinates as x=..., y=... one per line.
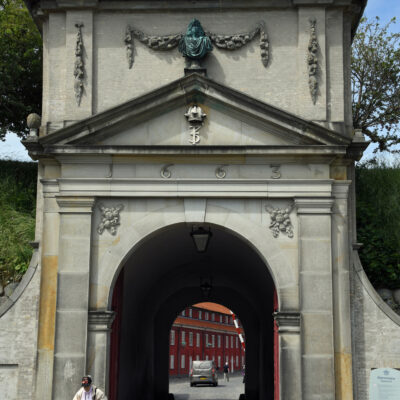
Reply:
x=213, y=307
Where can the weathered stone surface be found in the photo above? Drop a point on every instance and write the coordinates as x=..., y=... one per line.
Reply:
x=396, y=296
x=9, y=289
x=3, y=300
x=259, y=147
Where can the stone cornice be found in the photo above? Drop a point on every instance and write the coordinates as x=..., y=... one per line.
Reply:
x=39, y=8
x=288, y=321
x=100, y=320
x=321, y=151
x=75, y=204
x=340, y=189
x=313, y=205
x=183, y=91
x=79, y=188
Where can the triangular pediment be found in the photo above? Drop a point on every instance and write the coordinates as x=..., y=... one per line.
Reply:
x=158, y=119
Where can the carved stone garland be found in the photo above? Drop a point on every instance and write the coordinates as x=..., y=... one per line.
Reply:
x=312, y=61
x=225, y=42
x=79, y=68
x=280, y=220
x=109, y=219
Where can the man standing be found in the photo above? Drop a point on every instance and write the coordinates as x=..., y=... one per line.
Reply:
x=226, y=372
x=89, y=391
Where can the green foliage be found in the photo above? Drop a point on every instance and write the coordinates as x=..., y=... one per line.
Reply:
x=378, y=221
x=375, y=76
x=20, y=67
x=17, y=217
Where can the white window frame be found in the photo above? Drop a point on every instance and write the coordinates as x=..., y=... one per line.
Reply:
x=212, y=317
x=197, y=339
x=190, y=313
x=183, y=313
x=182, y=361
x=171, y=361
x=213, y=341
x=206, y=316
x=190, y=338
x=219, y=341
x=199, y=314
x=183, y=337
x=172, y=338
x=227, y=342
x=237, y=342
x=231, y=342
x=220, y=318
x=237, y=361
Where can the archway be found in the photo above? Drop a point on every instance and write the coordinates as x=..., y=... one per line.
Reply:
x=164, y=275
x=206, y=338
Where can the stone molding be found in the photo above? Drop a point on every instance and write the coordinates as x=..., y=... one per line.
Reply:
x=23, y=284
x=370, y=290
x=288, y=321
x=340, y=189
x=75, y=205
x=100, y=321
x=308, y=137
x=314, y=206
x=84, y=188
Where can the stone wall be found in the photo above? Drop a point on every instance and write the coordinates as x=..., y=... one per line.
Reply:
x=284, y=82
x=376, y=333
x=18, y=337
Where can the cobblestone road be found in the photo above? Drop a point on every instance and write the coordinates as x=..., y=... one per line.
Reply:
x=224, y=391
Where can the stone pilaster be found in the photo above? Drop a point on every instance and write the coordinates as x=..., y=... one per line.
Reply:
x=341, y=292
x=73, y=294
x=289, y=354
x=316, y=299
x=99, y=330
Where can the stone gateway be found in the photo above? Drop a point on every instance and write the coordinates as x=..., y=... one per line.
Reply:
x=139, y=148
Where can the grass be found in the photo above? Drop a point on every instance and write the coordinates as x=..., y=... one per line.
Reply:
x=17, y=218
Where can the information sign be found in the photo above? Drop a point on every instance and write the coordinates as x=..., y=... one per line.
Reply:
x=384, y=384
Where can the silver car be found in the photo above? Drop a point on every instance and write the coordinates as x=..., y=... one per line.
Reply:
x=203, y=372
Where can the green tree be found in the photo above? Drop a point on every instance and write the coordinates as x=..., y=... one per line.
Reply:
x=378, y=221
x=20, y=67
x=375, y=75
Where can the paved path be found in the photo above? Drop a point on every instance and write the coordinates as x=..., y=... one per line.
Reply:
x=224, y=391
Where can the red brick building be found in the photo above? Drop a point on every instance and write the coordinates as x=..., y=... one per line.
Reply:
x=204, y=331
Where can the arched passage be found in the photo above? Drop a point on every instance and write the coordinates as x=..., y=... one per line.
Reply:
x=164, y=275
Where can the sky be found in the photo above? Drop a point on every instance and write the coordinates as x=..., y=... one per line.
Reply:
x=12, y=148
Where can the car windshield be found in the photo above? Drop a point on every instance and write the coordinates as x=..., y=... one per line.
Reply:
x=202, y=364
